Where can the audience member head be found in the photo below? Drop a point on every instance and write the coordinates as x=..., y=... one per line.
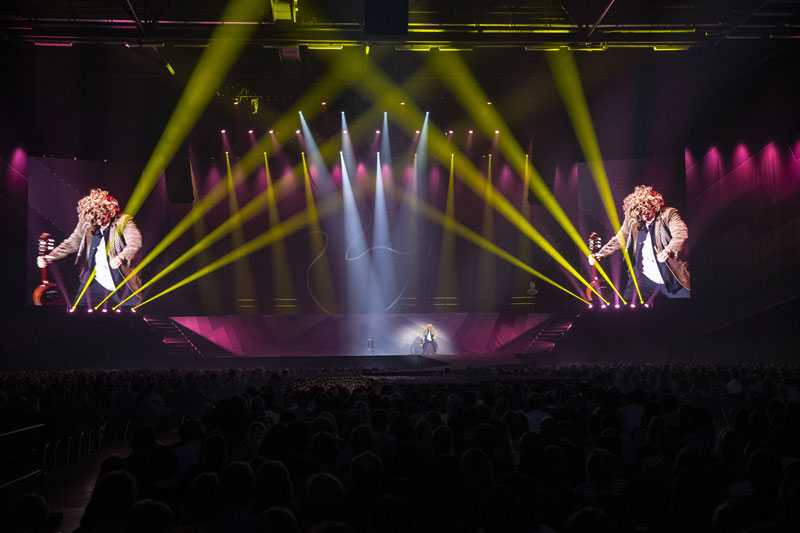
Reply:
x=274, y=487
x=237, y=484
x=324, y=498
x=150, y=516
x=278, y=520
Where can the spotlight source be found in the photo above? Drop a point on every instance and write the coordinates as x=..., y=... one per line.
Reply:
x=249, y=131
x=297, y=132
x=222, y=131
x=271, y=132
x=470, y=132
x=497, y=132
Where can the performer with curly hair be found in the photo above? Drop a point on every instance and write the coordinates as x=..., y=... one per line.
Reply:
x=656, y=239
x=104, y=240
x=429, y=344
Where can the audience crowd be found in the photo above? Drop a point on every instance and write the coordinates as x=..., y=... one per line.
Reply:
x=590, y=448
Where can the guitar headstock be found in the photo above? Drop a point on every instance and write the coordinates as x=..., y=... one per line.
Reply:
x=46, y=243
x=595, y=242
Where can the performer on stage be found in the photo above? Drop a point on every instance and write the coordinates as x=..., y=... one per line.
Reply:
x=429, y=346
x=655, y=236
x=103, y=240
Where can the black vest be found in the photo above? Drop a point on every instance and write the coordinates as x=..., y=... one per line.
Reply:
x=670, y=283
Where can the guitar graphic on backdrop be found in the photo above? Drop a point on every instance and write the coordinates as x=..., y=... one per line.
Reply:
x=595, y=242
x=47, y=292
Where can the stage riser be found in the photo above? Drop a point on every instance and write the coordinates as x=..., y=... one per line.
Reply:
x=334, y=335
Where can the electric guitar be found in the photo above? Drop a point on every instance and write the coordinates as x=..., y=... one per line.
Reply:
x=595, y=243
x=46, y=293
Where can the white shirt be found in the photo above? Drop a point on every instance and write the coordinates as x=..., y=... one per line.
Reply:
x=649, y=262
x=102, y=271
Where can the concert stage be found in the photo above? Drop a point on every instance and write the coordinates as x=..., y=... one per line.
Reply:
x=117, y=340
x=51, y=338
x=349, y=335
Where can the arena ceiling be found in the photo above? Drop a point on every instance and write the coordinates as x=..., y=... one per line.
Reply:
x=464, y=24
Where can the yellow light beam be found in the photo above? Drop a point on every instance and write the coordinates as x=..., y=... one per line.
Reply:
x=281, y=275
x=457, y=76
x=329, y=85
x=250, y=210
x=486, y=266
x=208, y=291
x=568, y=81
x=524, y=249
x=376, y=85
x=289, y=226
x=83, y=289
x=284, y=187
x=466, y=233
x=243, y=276
x=447, y=269
x=224, y=47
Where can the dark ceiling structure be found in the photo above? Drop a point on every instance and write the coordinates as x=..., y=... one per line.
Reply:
x=590, y=25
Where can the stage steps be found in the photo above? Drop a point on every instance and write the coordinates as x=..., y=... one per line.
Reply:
x=173, y=338
x=551, y=333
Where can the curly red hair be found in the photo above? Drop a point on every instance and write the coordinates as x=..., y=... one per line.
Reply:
x=98, y=208
x=643, y=204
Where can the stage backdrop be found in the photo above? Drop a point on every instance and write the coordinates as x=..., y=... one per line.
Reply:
x=422, y=269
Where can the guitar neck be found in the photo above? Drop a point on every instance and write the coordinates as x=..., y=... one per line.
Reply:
x=43, y=275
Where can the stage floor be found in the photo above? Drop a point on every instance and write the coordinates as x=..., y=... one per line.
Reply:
x=457, y=334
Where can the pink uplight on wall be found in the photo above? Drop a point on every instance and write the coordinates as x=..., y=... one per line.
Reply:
x=408, y=174
x=386, y=172
x=361, y=172
x=740, y=154
x=336, y=175
x=435, y=181
x=688, y=159
x=19, y=162
x=506, y=178
x=16, y=175
x=712, y=167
